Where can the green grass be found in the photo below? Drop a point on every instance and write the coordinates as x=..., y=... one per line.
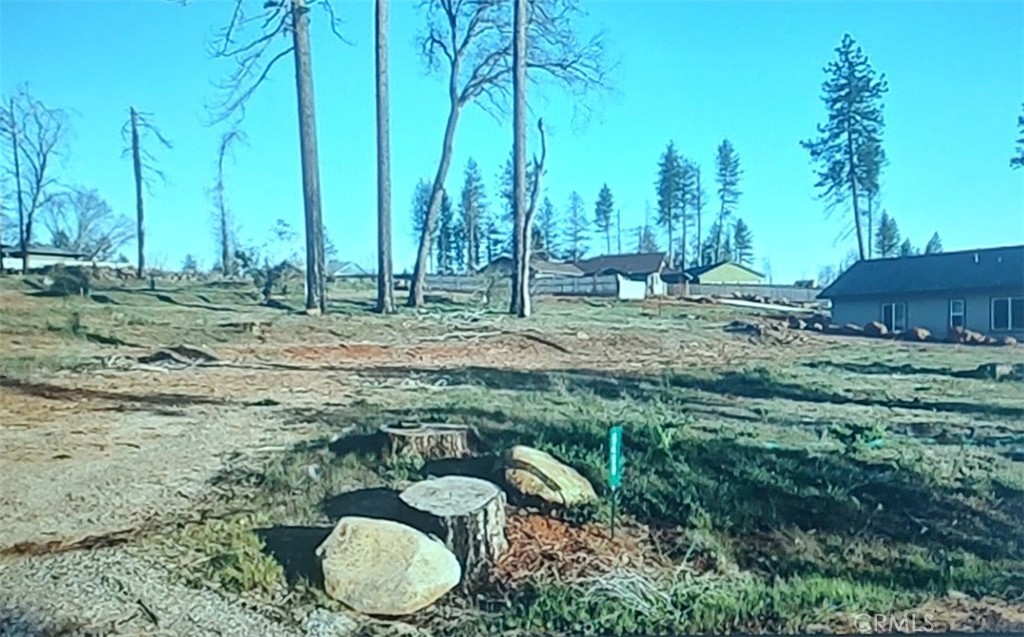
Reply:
x=806, y=483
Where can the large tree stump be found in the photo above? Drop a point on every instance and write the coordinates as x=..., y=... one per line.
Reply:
x=471, y=514
x=425, y=441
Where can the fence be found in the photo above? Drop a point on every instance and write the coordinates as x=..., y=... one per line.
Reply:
x=608, y=286
x=791, y=292
x=558, y=285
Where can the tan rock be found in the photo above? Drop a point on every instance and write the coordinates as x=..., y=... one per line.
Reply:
x=381, y=567
x=533, y=472
x=876, y=329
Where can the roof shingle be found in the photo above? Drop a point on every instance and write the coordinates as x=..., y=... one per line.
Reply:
x=984, y=269
x=644, y=263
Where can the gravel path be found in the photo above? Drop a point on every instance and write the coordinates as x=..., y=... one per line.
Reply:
x=118, y=591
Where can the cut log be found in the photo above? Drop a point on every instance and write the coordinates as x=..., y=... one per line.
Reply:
x=425, y=441
x=471, y=513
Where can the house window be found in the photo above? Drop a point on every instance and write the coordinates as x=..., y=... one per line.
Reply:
x=894, y=316
x=957, y=313
x=1008, y=314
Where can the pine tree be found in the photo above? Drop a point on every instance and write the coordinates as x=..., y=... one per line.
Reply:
x=887, y=238
x=871, y=159
x=646, y=242
x=906, y=249
x=603, y=210
x=508, y=201
x=934, y=245
x=575, y=228
x=445, y=236
x=473, y=213
x=546, y=241
x=728, y=176
x=743, y=242
x=699, y=199
x=852, y=95
x=420, y=205
x=1017, y=161
x=669, y=189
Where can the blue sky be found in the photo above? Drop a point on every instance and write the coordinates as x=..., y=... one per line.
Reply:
x=692, y=72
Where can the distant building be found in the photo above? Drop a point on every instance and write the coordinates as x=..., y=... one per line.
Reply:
x=725, y=273
x=11, y=257
x=539, y=268
x=638, y=275
x=981, y=290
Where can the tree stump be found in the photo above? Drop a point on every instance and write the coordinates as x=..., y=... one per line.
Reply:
x=471, y=514
x=425, y=441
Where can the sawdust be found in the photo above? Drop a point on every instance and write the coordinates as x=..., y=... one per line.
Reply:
x=542, y=547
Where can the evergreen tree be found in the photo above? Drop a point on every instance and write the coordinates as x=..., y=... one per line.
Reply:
x=934, y=245
x=420, y=205
x=575, y=228
x=473, y=213
x=445, y=236
x=1017, y=161
x=743, y=242
x=906, y=249
x=689, y=199
x=852, y=133
x=871, y=159
x=646, y=241
x=459, y=251
x=603, y=210
x=546, y=240
x=699, y=199
x=887, y=238
x=669, y=188
x=728, y=176
x=508, y=201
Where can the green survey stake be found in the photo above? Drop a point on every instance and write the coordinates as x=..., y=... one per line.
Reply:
x=614, y=467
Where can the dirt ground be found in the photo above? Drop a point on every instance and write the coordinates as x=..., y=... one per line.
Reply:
x=107, y=450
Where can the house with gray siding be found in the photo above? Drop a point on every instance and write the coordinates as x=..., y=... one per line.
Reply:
x=980, y=290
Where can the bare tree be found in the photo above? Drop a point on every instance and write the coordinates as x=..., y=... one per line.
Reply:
x=472, y=40
x=224, y=224
x=248, y=39
x=37, y=135
x=144, y=165
x=385, y=283
x=80, y=220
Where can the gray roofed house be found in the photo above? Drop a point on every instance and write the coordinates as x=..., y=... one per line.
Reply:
x=631, y=271
x=981, y=290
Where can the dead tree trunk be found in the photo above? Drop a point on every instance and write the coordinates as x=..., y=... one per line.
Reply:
x=385, y=283
x=316, y=301
x=425, y=441
x=519, y=304
x=140, y=233
x=471, y=514
x=417, y=290
x=16, y=151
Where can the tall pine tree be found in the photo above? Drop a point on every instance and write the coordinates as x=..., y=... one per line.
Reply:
x=728, y=175
x=1017, y=161
x=743, y=243
x=445, y=237
x=576, y=235
x=547, y=243
x=853, y=96
x=473, y=213
x=669, y=188
x=603, y=210
x=887, y=238
x=699, y=199
x=934, y=245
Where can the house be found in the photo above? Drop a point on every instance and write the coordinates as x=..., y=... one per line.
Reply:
x=638, y=275
x=539, y=268
x=41, y=257
x=981, y=290
x=725, y=273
